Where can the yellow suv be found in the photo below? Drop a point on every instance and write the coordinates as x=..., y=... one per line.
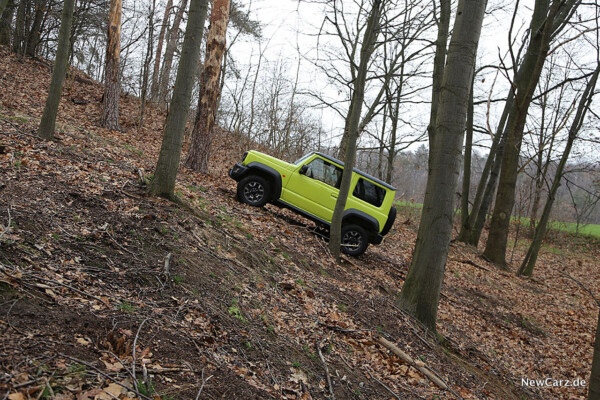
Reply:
x=310, y=187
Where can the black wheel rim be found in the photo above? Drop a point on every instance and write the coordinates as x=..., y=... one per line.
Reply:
x=254, y=192
x=352, y=240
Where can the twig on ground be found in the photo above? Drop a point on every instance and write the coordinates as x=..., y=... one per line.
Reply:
x=133, y=359
x=408, y=359
x=120, y=245
x=8, y=224
x=203, y=383
x=469, y=262
x=104, y=375
x=326, y=368
x=384, y=385
x=580, y=284
x=167, y=267
x=70, y=287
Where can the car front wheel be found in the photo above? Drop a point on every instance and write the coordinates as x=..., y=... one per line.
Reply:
x=354, y=240
x=254, y=190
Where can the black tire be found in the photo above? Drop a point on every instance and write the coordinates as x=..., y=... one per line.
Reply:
x=254, y=190
x=354, y=240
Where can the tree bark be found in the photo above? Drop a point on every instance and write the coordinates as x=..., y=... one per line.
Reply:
x=6, y=21
x=147, y=61
x=3, y=4
x=159, y=48
x=48, y=122
x=526, y=82
x=465, y=228
x=112, y=85
x=594, y=382
x=540, y=231
x=163, y=183
x=481, y=202
x=202, y=134
x=421, y=291
x=165, y=73
x=19, y=31
x=352, y=122
x=439, y=63
x=33, y=36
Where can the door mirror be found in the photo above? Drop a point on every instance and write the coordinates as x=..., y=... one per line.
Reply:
x=303, y=169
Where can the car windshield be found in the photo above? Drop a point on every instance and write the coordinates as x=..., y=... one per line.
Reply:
x=302, y=159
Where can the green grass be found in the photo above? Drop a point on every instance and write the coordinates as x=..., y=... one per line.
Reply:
x=570, y=227
x=591, y=230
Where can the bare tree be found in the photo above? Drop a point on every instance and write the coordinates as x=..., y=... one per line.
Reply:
x=3, y=4
x=352, y=124
x=48, y=122
x=112, y=85
x=421, y=290
x=547, y=20
x=163, y=183
x=202, y=134
x=161, y=37
x=6, y=18
x=165, y=72
x=540, y=231
x=147, y=60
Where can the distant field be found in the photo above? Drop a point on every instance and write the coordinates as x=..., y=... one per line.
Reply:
x=587, y=230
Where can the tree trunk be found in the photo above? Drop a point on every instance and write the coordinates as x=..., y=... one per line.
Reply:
x=19, y=32
x=352, y=122
x=33, y=36
x=488, y=195
x=202, y=135
x=485, y=188
x=465, y=229
x=112, y=85
x=594, y=382
x=163, y=183
x=48, y=122
x=6, y=21
x=159, y=48
x=540, y=231
x=439, y=63
x=148, y=60
x=165, y=72
x=3, y=4
x=526, y=82
x=421, y=291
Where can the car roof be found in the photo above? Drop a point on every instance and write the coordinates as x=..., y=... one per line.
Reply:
x=379, y=181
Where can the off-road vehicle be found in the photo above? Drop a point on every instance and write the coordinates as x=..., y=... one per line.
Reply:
x=310, y=187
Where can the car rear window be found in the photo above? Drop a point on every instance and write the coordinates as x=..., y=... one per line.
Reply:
x=369, y=192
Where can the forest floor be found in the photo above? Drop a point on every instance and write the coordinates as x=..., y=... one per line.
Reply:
x=251, y=305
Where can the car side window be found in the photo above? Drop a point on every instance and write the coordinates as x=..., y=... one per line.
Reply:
x=325, y=172
x=369, y=192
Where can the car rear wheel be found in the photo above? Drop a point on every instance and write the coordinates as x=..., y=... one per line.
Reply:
x=354, y=240
x=254, y=190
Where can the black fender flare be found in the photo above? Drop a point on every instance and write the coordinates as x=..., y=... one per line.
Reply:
x=372, y=223
x=269, y=172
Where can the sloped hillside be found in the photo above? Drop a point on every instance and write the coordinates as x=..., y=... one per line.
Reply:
x=214, y=299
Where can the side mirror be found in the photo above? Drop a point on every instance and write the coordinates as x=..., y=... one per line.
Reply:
x=303, y=169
